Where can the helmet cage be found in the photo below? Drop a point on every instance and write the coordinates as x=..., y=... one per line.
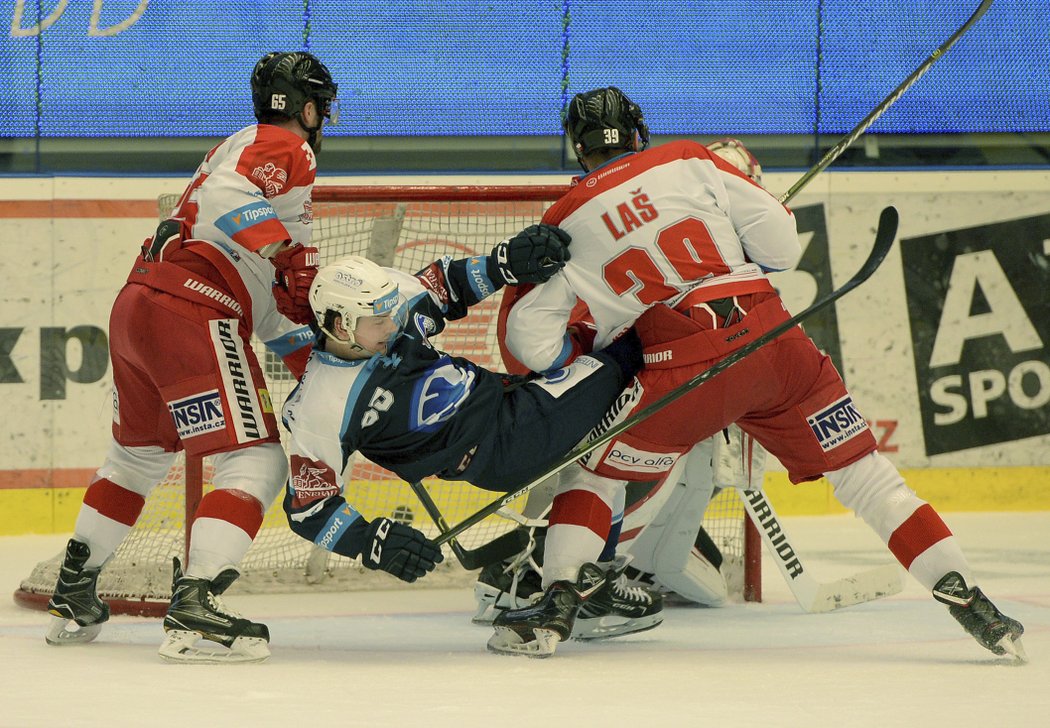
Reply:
x=604, y=119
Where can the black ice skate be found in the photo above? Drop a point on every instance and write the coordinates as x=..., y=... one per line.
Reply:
x=502, y=586
x=618, y=609
x=978, y=616
x=75, y=601
x=597, y=605
x=197, y=612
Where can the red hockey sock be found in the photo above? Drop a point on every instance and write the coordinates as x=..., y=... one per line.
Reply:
x=233, y=506
x=919, y=532
x=582, y=508
x=114, y=502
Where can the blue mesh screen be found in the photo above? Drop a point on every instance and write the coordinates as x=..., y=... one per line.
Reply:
x=468, y=68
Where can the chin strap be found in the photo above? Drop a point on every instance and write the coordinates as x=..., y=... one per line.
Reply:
x=311, y=139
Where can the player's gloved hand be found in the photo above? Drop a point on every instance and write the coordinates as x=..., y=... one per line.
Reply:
x=399, y=550
x=532, y=256
x=296, y=268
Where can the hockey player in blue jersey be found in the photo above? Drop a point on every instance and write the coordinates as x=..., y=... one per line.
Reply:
x=376, y=384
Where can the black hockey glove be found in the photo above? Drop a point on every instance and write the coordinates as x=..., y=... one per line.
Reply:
x=399, y=550
x=532, y=256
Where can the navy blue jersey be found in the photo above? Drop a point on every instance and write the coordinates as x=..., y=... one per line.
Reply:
x=419, y=412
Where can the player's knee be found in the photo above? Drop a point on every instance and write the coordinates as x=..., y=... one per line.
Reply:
x=873, y=489
x=260, y=471
x=137, y=469
x=609, y=490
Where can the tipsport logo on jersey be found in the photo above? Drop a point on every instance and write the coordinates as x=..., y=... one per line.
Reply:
x=979, y=308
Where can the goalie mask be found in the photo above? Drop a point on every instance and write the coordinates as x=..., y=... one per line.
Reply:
x=604, y=119
x=352, y=288
x=283, y=83
x=734, y=152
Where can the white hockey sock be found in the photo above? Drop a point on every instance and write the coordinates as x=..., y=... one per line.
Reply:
x=223, y=531
x=937, y=560
x=908, y=525
x=567, y=548
x=102, y=535
x=580, y=520
x=215, y=545
x=107, y=514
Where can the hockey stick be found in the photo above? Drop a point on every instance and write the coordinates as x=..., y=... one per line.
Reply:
x=813, y=596
x=884, y=237
x=498, y=549
x=886, y=103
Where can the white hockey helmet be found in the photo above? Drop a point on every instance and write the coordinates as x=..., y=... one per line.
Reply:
x=734, y=152
x=352, y=287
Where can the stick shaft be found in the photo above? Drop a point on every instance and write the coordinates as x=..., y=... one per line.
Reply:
x=885, y=234
x=836, y=151
x=495, y=550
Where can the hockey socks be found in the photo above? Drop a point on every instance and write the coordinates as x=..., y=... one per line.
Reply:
x=223, y=530
x=107, y=514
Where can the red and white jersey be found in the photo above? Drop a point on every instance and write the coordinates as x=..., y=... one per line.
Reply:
x=252, y=190
x=652, y=227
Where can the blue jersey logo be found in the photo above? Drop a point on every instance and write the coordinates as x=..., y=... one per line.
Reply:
x=440, y=394
x=244, y=217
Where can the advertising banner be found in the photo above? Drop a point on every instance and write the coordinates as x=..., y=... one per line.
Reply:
x=979, y=310
x=944, y=350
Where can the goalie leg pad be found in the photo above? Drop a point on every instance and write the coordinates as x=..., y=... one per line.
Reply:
x=665, y=549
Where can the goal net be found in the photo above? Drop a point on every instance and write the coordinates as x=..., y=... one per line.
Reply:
x=405, y=227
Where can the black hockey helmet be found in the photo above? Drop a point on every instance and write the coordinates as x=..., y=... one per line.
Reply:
x=282, y=84
x=604, y=119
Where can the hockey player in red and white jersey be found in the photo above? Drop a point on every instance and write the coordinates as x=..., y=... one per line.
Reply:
x=677, y=242
x=233, y=259
x=660, y=529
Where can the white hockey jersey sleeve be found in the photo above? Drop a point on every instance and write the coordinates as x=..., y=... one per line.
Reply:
x=765, y=227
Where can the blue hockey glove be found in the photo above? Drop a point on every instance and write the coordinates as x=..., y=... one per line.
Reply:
x=399, y=550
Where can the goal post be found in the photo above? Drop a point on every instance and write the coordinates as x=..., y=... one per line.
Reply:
x=405, y=227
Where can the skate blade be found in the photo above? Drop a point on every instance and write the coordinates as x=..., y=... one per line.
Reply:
x=603, y=628
x=64, y=631
x=486, y=597
x=1013, y=647
x=492, y=602
x=508, y=642
x=181, y=646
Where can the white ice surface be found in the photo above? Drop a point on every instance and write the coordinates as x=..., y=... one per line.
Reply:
x=401, y=658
